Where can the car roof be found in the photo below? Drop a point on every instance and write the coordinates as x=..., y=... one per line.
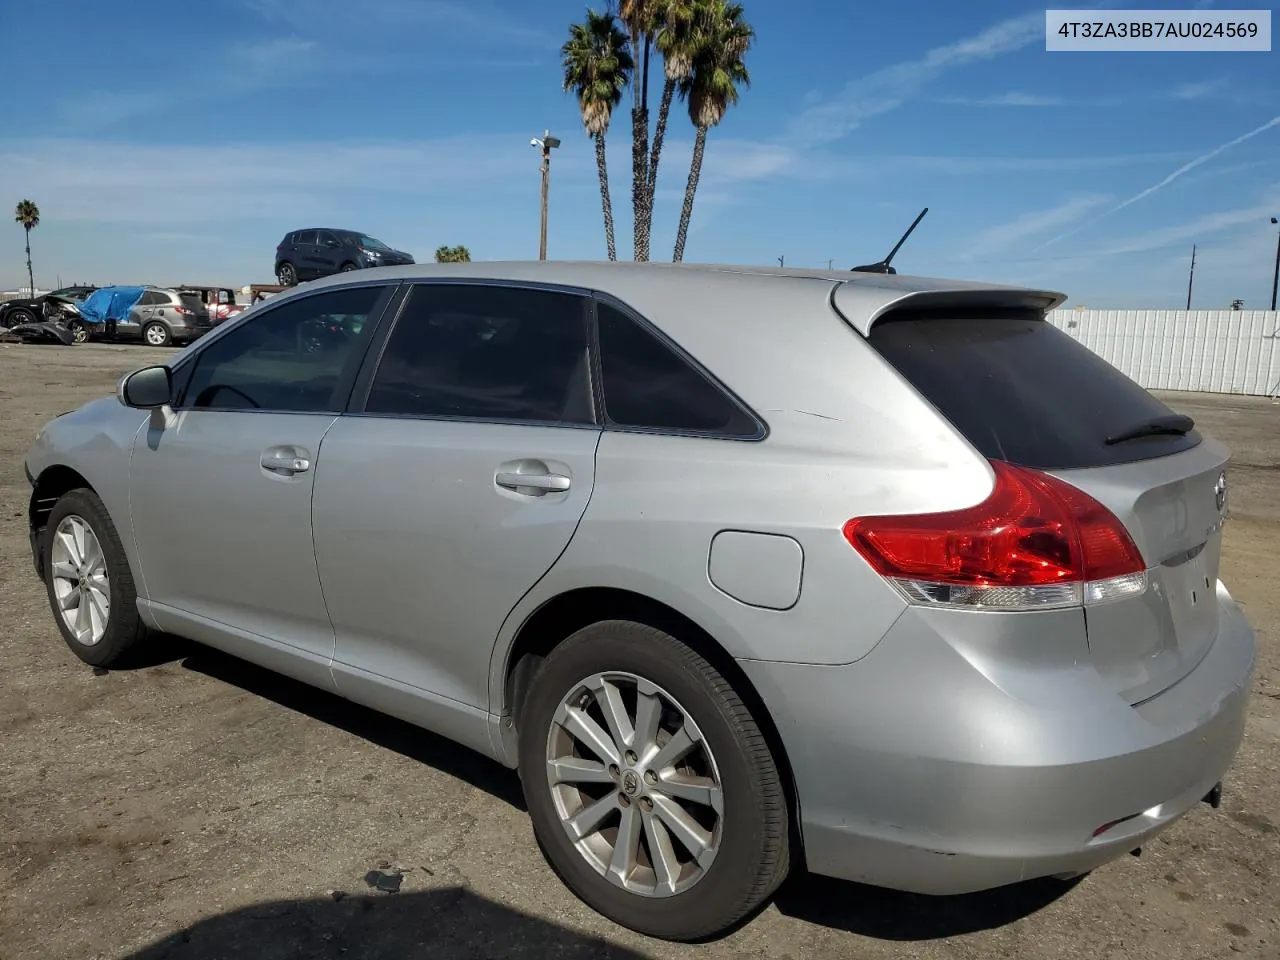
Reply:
x=326, y=229
x=861, y=298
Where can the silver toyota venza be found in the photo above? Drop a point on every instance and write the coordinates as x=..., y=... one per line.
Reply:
x=743, y=570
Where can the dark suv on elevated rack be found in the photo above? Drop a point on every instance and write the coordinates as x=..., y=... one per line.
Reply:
x=320, y=252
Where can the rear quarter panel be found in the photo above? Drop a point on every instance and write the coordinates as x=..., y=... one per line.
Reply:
x=847, y=437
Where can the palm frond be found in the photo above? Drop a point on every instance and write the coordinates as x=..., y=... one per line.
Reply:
x=27, y=214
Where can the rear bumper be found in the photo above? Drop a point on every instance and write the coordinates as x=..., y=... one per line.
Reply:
x=925, y=767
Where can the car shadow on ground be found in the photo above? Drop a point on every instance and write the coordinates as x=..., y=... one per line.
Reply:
x=377, y=728
x=855, y=908
x=450, y=922
x=892, y=915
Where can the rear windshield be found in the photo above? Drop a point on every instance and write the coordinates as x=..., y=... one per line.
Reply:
x=1021, y=390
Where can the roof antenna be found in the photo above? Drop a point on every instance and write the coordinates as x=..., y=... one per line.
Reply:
x=883, y=265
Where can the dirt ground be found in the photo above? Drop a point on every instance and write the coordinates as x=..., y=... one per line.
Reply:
x=200, y=807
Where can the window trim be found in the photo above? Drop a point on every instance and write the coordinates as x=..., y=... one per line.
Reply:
x=346, y=380
x=373, y=357
x=599, y=297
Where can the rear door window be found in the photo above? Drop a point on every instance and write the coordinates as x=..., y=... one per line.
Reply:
x=649, y=385
x=1021, y=390
x=489, y=353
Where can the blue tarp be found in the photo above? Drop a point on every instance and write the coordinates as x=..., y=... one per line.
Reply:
x=110, y=303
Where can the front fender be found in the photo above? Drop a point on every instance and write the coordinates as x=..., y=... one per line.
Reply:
x=94, y=442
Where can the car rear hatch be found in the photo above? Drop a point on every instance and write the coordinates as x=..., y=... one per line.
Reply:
x=1025, y=393
x=198, y=312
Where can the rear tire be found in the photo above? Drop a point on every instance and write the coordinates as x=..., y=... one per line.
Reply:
x=709, y=821
x=79, y=576
x=287, y=274
x=20, y=316
x=156, y=334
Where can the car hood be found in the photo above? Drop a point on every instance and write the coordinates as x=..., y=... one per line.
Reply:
x=393, y=258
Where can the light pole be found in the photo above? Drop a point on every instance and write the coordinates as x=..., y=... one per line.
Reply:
x=547, y=144
x=1192, y=275
x=1275, y=277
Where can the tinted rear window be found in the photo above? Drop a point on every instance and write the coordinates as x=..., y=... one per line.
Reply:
x=1021, y=390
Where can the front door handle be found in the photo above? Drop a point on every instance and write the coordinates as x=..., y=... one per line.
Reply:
x=542, y=482
x=287, y=461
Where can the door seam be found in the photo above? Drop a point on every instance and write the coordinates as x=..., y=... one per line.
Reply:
x=315, y=556
x=595, y=455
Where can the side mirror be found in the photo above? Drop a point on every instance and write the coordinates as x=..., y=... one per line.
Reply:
x=147, y=388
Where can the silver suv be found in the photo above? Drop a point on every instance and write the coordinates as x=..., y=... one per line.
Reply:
x=161, y=317
x=879, y=576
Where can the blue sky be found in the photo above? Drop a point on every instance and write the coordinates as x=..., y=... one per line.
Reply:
x=176, y=142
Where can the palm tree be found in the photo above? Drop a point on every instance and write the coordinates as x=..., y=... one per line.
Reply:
x=676, y=40
x=642, y=19
x=723, y=38
x=458, y=254
x=597, y=68
x=28, y=214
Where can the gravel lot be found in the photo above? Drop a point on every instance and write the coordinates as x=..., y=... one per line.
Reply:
x=200, y=807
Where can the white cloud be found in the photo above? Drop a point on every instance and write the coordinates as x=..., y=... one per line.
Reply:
x=479, y=22
x=886, y=89
x=1201, y=228
x=1032, y=224
x=100, y=181
x=1012, y=99
x=243, y=68
x=1185, y=168
x=103, y=108
x=1201, y=90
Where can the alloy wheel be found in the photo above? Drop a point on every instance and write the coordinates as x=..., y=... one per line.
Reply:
x=80, y=583
x=634, y=784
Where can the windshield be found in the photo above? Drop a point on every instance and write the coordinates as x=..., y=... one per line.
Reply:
x=369, y=243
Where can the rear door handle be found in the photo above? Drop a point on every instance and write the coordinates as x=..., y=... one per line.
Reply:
x=543, y=482
x=287, y=461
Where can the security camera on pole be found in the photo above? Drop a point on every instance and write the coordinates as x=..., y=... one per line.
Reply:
x=547, y=143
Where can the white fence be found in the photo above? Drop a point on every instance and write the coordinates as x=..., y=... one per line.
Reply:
x=1210, y=351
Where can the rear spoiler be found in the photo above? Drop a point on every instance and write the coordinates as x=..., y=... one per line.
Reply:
x=861, y=304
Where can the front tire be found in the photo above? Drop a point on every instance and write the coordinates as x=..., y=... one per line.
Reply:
x=88, y=581
x=79, y=331
x=348, y=267
x=652, y=790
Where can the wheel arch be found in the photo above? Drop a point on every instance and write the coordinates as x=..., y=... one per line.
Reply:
x=53, y=482
x=564, y=614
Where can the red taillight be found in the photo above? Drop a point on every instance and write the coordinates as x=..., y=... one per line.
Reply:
x=1036, y=541
x=184, y=311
